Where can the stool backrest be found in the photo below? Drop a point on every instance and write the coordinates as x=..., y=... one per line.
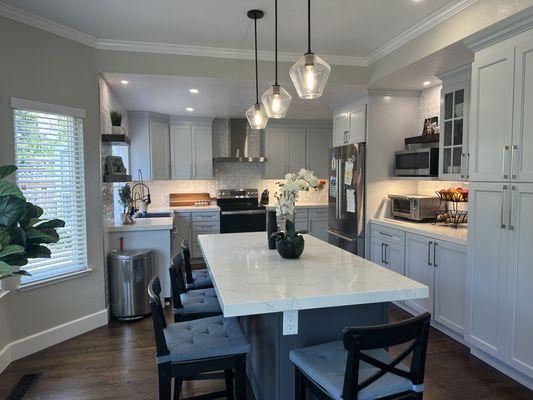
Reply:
x=177, y=283
x=158, y=316
x=413, y=331
x=187, y=260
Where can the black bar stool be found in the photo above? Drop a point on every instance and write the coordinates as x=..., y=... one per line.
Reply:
x=190, y=304
x=193, y=349
x=359, y=367
x=198, y=278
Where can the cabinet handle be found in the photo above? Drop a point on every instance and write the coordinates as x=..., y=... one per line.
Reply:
x=463, y=157
x=511, y=196
x=386, y=257
x=514, y=170
x=382, y=253
x=504, y=164
x=467, y=166
x=502, y=225
x=429, y=253
x=435, y=254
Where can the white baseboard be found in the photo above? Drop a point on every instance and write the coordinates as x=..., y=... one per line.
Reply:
x=49, y=337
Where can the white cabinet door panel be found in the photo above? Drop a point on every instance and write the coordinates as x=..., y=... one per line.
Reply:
x=394, y=258
x=276, y=153
x=319, y=142
x=296, y=140
x=377, y=251
x=181, y=144
x=492, y=113
x=487, y=266
x=340, y=129
x=203, y=152
x=159, y=151
x=357, y=131
x=319, y=228
x=419, y=266
x=523, y=114
x=520, y=287
x=450, y=285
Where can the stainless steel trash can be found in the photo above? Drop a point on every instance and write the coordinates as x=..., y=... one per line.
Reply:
x=130, y=272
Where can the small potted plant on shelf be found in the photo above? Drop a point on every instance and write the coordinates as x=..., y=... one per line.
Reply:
x=116, y=122
x=23, y=233
x=289, y=242
x=125, y=200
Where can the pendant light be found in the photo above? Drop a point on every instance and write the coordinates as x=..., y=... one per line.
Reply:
x=256, y=115
x=310, y=73
x=276, y=99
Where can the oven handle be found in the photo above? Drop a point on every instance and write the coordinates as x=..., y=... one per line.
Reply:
x=243, y=212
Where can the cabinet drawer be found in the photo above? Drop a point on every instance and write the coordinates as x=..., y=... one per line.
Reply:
x=206, y=216
x=318, y=213
x=388, y=234
x=301, y=214
x=200, y=227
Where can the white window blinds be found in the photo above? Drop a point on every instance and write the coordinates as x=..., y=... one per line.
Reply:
x=49, y=157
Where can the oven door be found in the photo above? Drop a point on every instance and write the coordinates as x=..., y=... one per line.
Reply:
x=233, y=221
x=412, y=162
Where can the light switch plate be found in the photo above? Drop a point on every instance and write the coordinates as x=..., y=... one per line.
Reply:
x=290, y=322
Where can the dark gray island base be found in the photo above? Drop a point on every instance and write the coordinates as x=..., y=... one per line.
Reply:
x=269, y=369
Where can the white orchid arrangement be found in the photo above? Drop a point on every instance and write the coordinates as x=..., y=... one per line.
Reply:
x=289, y=191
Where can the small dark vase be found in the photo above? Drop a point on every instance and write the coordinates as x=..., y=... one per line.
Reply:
x=288, y=248
x=271, y=227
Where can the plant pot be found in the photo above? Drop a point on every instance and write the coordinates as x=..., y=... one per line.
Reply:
x=290, y=248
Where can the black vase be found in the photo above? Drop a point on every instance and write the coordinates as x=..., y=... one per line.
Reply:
x=271, y=227
x=288, y=249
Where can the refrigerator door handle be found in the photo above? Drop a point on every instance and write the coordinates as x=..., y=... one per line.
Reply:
x=341, y=236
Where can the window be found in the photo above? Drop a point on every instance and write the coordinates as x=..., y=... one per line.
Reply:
x=49, y=157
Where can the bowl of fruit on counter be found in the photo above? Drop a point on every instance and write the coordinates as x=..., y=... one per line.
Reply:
x=452, y=211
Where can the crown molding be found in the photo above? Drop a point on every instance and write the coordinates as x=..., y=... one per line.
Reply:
x=45, y=24
x=423, y=26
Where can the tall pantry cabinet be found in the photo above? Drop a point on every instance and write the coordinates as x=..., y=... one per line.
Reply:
x=500, y=254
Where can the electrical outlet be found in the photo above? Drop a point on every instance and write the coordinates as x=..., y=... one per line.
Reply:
x=290, y=322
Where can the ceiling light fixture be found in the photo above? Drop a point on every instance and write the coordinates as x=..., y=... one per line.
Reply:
x=256, y=115
x=276, y=99
x=194, y=91
x=310, y=73
x=189, y=109
x=124, y=82
x=426, y=83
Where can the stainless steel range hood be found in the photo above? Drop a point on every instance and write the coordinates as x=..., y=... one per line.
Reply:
x=239, y=142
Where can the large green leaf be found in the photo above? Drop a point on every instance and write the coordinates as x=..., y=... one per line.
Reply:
x=31, y=215
x=10, y=250
x=7, y=170
x=10, y=189
x=12, y=209
x=5, y=270
x=5, y=237
x=38, y=251
x=36, y=236
x=16, y=260
x=51, y=224
x=18, y=236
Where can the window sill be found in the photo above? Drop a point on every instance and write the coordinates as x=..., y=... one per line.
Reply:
x=52, y=281
x=3, y=293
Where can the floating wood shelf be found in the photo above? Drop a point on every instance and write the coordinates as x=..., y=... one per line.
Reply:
x=115, y=139
x=188, y=199
x=117, y=178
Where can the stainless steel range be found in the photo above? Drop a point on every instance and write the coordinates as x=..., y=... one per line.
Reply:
x=240, y=211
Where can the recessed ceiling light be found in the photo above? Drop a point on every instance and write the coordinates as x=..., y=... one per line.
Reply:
x=426, y=83
x=189, y=109
x=194, y=91
x=124, y=82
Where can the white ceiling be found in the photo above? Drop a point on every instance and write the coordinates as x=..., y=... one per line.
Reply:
x=344, y=28
x=217, y=98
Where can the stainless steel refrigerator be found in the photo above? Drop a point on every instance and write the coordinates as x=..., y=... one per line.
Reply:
x=347, y=197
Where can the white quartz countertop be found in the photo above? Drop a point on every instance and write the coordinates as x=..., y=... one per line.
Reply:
x=272, y=206
x=212, y=207
x=141, y=224
x=442, y=232
x=251, y=279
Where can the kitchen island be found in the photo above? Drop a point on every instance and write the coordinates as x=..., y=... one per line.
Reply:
x=286, y=304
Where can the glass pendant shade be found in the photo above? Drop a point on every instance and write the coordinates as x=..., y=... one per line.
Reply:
x=257, y=117
x=309, y=75
x=276, y=101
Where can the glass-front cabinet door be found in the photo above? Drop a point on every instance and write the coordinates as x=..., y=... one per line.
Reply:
x=453, y=157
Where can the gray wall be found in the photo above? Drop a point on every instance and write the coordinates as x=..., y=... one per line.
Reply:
x=40, y=66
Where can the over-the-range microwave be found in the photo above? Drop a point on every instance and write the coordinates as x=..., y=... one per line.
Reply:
x=417, y=162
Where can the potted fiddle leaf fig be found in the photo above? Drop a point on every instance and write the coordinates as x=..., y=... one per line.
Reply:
x=126, y=201
x=23, y=233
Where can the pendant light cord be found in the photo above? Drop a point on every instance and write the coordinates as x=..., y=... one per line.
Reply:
x=309, y=26
x=256, y=69
x=276, y=40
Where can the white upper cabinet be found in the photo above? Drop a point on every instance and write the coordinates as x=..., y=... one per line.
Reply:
x=276, y=152
x=522, y=145
x=318, y=143
x=349, y=127
x=341, y=128
x=492, y=115
x=296, y=149
x=159, y=151
x=191, y=151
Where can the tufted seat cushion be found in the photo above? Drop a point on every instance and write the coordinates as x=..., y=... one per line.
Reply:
x=201, y=279
x=325, y=364
x=199, y=301
x=205, y=338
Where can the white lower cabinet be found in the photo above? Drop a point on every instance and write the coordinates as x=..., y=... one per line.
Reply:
x=312, y=220
x=388, y=248
x=188, y=225
x=418, y=266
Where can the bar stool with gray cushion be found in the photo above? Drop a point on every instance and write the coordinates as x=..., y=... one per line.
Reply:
x=359, y=367
x=190, y=304
x=194, y=350
x=197, y=278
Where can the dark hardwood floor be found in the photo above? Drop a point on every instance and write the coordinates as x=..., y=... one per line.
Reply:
x=117, y=362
